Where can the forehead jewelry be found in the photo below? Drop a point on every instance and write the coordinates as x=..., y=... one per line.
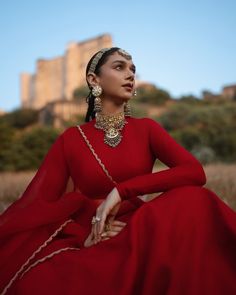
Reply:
x=96, y=59
x=99, y=55
x=124, y=53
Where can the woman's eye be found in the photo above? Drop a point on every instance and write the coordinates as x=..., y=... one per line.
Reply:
x=118, y=67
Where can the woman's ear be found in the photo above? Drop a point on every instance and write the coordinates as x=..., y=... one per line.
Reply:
x=92, y=79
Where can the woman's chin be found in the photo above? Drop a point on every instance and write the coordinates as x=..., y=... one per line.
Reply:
x=123, y=98
x=127, y=97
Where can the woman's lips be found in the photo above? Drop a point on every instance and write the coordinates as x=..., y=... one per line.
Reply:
x=128, y=87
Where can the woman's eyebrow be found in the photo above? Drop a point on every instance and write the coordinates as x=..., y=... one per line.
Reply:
x=123, y=62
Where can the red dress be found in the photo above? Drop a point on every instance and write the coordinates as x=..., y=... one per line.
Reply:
x=181, y=242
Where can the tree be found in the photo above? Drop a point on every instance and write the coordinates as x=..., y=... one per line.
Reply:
x=190, y=99
x=80, y=93
x=151, y=94
x=205, y=129
x=27, y=151
x=6, y=142
x=20, y=118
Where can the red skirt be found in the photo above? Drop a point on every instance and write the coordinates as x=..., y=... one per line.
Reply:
x=182, y=242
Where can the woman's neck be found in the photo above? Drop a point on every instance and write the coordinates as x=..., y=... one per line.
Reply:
x=110, y=108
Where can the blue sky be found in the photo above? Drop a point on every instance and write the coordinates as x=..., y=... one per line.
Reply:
x=182, y=46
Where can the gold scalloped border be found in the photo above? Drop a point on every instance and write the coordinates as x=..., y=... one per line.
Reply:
x=47, y=257
x=33, y=255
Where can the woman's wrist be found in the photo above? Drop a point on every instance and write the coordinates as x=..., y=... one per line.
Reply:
x=117, y=194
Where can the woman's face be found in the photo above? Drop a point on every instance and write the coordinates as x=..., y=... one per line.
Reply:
x=117, y=78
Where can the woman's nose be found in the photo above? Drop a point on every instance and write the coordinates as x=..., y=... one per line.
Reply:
x=130, y=75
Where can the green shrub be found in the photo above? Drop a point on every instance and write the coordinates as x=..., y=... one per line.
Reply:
x=27, y=151
x=209, y=126
x=152, y=95
x=20, y=118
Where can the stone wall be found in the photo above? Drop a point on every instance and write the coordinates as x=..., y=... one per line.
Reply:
x=57, y=78
x=58, y=113
x=229, y=92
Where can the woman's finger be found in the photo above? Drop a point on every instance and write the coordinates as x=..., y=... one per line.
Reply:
x=106, y=210
x=101, y=224
x=96, y=224
x=115, y=224
x=93, y=233
x=96, y=229
x=105, y=238
x=113, y=233
x=118, y=223
x=116, y=228
x=110, y=234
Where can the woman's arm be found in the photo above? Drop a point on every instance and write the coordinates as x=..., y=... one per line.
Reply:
x=184, y=168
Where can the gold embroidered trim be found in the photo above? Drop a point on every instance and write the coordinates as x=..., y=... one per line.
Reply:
x=33, y=255
x=47, y=257
x=96, y=156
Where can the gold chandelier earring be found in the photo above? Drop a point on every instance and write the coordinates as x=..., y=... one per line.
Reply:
x=97, y=91
x=127, y=109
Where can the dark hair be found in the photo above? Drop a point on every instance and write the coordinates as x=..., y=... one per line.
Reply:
x=90, y=98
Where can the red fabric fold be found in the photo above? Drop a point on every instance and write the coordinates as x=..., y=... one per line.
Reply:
x=180, y=243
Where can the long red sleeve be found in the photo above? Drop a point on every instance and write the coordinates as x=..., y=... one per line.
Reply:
x=184, y=168
x=39, y=212
x=46, y=187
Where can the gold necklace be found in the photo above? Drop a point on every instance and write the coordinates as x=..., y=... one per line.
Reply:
x=111, y=125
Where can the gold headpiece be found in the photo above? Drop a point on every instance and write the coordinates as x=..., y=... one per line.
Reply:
x=124, y=53
x=99, y=55
x=96, y=59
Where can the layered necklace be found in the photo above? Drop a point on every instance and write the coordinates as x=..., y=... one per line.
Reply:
x=111, y=125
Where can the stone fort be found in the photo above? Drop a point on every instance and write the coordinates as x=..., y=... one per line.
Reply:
x=56, y=79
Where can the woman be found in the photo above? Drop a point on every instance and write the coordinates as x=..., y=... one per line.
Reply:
x=102, y=237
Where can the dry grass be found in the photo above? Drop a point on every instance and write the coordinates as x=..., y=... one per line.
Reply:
x=221, y=179
x=12, y=184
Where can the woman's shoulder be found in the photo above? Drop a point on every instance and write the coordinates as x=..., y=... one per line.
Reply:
x=68, y=131
x=74, y=129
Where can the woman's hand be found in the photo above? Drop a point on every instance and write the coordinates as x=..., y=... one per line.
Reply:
x=106, y=211
x=115, y=227
x=89, y=241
